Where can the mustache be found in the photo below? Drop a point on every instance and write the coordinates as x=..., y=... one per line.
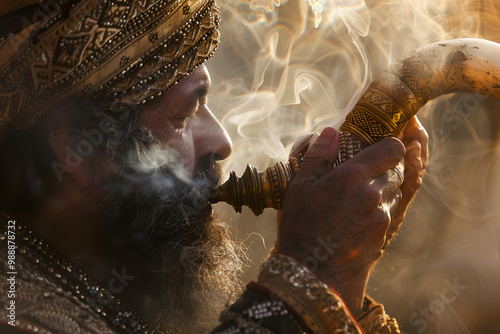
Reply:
x=165, y=184
x=206, y=176
x=209, y=168
x=162, y=192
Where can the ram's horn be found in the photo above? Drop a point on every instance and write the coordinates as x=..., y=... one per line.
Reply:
x=393, y=98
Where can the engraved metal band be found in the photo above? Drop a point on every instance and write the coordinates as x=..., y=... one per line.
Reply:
x=321, y=310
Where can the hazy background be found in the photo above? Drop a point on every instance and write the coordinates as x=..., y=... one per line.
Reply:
x=276, y=77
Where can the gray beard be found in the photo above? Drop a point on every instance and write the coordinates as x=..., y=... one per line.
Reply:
x=186, y=266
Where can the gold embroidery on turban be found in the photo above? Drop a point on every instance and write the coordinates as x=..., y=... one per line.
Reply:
x=114, y=51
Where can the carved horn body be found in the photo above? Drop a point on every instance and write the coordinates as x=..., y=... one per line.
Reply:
x=391, y=100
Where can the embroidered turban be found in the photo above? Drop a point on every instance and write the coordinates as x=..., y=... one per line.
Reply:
x=113, y=51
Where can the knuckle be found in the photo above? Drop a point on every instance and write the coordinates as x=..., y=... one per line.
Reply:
x=380, y=223
x=384, y=219
x=372, y=196
x=353, y=171
x=418, y=183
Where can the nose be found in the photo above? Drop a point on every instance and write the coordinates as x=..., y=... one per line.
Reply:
x=210, y=137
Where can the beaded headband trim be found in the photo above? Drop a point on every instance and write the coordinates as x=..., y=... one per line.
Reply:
x=113, y=51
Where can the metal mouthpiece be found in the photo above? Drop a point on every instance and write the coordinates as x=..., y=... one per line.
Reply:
x=257, y=190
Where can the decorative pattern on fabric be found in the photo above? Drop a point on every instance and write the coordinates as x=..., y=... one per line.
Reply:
x=321, y=310
x=117, y=52
x=241, y=325
x=53, y=297
x=258, y=311
x=376, y=321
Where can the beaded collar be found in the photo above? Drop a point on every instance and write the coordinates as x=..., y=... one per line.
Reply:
x=49, y=287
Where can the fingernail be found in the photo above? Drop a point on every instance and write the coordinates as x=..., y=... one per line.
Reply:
x=328, y=133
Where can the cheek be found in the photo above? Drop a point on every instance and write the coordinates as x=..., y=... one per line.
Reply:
x=183, y=144
x=180, y=140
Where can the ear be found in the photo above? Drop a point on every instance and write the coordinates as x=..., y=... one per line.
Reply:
x=75, y=149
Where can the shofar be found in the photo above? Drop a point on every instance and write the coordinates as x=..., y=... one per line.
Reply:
x=393, y=98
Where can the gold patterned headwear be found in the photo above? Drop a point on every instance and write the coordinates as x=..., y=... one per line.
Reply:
x=114, y=51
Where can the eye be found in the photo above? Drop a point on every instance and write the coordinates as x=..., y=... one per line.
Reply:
x=203, y=99
x=203, y=96
x=190, y=110
x=181, y=120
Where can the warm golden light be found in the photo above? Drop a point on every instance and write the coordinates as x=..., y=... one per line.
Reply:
x=277, y=77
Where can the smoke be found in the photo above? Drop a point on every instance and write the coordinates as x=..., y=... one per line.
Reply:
x=276, y=76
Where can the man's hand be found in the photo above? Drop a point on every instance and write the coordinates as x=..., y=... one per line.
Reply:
x=338, y=221
x=415, y=139
x=341, y=212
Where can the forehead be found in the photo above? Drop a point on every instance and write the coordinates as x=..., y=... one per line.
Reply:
x=185, y=91
x=198, y=78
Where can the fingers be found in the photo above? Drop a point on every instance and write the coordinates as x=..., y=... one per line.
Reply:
x=414, y=131
x=389, y=184
x=380, y=157
x=416, y=141
x=413, y=159
x=414, y=172
x=319, y=158
x=393, y=202
x=390, y=181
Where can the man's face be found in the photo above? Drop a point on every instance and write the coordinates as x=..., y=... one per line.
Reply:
x=181, y=119
x=159, y=226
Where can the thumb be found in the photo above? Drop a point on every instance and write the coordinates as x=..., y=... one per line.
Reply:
x=319, y=158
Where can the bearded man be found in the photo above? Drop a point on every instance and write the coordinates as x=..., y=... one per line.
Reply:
x=109, y=155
